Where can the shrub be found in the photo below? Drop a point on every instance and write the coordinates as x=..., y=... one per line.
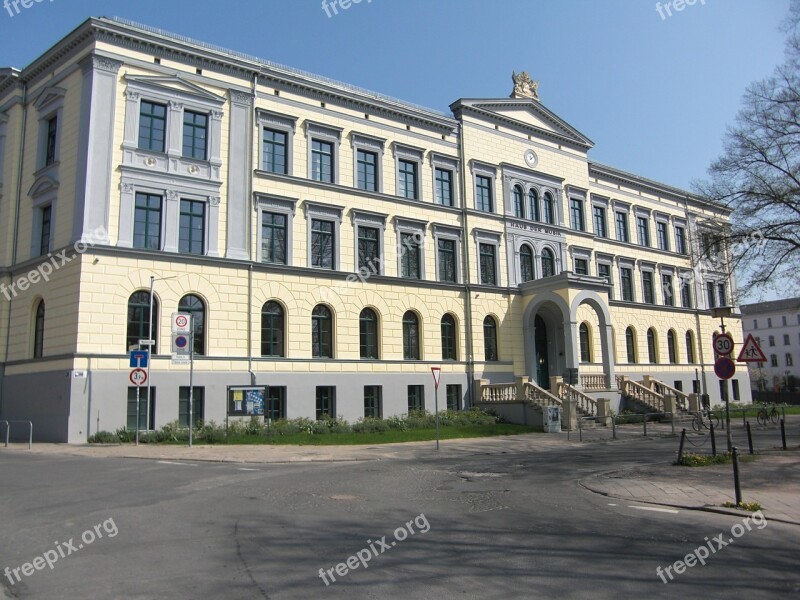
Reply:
x=690, y=459
x=104, y=437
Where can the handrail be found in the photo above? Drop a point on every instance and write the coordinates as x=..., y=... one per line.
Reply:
x=8, y=431
x=681, y=398
x=620, y=381
x=594, y=381
x=643, y=394
x=585, y=403
x=499, y=392
x=540, y=396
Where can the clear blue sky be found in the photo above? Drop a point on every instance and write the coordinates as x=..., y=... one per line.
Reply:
x=655, y=94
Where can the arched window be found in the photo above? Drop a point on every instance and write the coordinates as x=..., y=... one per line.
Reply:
x=690, y=347
x=630, y=344
x=518, y=209
x=191, y=304
x=449, y=338
x=139, y=321
x=652, y=350
x=672, y=347
x=490, y=338
x=533, y=205
x=321, y=332
x=410, y=336
x=549, y=209
x=585, y=343
x=38, y=331
x=548, y=263
x=368, y=333
x=525, y=263
x=272, y=328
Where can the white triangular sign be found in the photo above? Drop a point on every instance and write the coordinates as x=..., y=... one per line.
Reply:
x=751, y=351
x=437, y=373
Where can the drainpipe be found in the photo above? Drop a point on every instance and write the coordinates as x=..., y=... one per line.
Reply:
x=250, y=237
x=466, y=270
x=15, y=232
x=690, y=241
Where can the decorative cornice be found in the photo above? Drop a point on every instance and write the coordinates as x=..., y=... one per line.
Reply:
x=100, y=63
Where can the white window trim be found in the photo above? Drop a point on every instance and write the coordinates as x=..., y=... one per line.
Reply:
x=49, y=104
x=621, y=207
x=493, y=239
x=627, y=263
x=453, y=234
x=206, y=220
x=277, y=122
x=268, y=203
x=413, y=227
x=368, y=143
x=447, y=163
x=324, y=212
x=648, y=268
x=582, y=254
x=643, y=213
x=323, y=133
x=363, y=218
x=600, y=202
x=609, y=262
x=412, y=154
x=145, y=189
x=489, y=171
x=664, y=270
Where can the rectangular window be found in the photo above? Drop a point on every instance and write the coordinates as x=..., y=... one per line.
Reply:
x=600, y=229
x=622, y=226
x=581, y=266
x=195, y=134
x=666, y=288
x=322, y=161
x=192, y=227
x=273, y=238
x=367, y=163
x=416, y=397
x=488, y=264
x=147, y=222
x=789, y=361
x=483, y=192
x=407, y=179
x=773, y=358
x=198, y=406
x=735, y=386
x=369, y=251
x=325, y=403
x=769, y=322
x=680, y=240
x=447, y=260
x=444, y=187
x=373, y=405
x=643, y=231
x=50, y=149
x=772, y=340
x=44, y=233
x=411, y=256
x=661, y=233
x=576, y=213
x=783, y=320
x=152, y=126
x=686, y=294
x=786, y=339
x=626, y=282
x=723, y=297
x=147, y=415
x=322, y=247
x=647, y=287
x=755, y=323
x=274, y=151
x=276, y=403
x=710, y=295
x=453, y=397
x=604, y=271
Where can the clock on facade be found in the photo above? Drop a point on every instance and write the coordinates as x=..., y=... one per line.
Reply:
x=530, y=158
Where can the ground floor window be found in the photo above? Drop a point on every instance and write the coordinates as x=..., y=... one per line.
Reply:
x=416, y=397
x=276, y=403
x=198, y=405
x=453, y=397
x=325, y=402
x=373, y=408
x=735, y=387
x=147, y=415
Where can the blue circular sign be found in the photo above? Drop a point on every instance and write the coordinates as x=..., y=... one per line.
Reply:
x=181, y=341
x=724, y=367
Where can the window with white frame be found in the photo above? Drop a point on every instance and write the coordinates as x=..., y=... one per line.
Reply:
x=408, y=166
x=50, y=108
x=410, y=247
x=643, y=228
x=448, y=253
x=277, y=135
x=626, y=281
x=604, y=272
x=662, y=232
x=368, y=153
x=648, y=285
x=483, y=188
x=276, y=219
x=488, y=252
x=369, y=230
x=576, y=213
x=323, y=152
x=621, y=222
x=324, y=222
x=445, y=171
x=667, y=288
x=680, y=238
x=580, y=260
x=599, y=218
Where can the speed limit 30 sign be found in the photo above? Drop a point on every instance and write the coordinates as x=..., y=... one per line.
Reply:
x=723, y=344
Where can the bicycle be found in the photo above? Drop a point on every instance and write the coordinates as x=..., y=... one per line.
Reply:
x=767, y=414
x=704, y=419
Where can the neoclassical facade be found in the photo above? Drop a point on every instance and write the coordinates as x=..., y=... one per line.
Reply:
x=330, y=242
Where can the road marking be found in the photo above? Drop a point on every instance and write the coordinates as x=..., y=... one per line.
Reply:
x=610, y=504
x=182, y=464
x=656, y=509
x=248, y=469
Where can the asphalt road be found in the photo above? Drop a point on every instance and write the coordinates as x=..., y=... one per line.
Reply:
x=495, y=526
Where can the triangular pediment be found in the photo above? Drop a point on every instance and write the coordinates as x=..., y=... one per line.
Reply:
x=173, y=85
x=48, y=96
x=527, y=115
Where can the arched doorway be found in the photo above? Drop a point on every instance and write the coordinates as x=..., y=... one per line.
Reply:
x=541, y=359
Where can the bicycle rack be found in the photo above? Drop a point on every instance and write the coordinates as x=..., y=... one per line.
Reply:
x=8, y=431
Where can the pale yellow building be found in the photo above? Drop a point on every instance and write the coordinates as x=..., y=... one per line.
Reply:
x=332, y=243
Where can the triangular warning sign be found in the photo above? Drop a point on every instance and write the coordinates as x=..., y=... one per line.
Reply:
x=751, y=351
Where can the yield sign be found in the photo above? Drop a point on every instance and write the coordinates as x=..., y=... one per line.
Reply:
x=751, y=352
x=437, y=373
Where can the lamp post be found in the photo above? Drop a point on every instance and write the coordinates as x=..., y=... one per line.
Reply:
x=721, y=312
x=151, y=343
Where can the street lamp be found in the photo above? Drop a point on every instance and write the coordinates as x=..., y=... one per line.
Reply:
x=720, y=312
x=151, y=342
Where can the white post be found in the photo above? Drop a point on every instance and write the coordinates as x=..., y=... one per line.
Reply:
x=191, y=375
x=149, y=349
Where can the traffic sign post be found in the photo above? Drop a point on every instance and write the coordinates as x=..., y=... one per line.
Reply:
x=437, y=374
x=723, y=344
x=724, y=367
x=751, y=351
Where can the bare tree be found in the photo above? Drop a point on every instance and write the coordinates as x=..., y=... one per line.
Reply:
x=758, y=177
